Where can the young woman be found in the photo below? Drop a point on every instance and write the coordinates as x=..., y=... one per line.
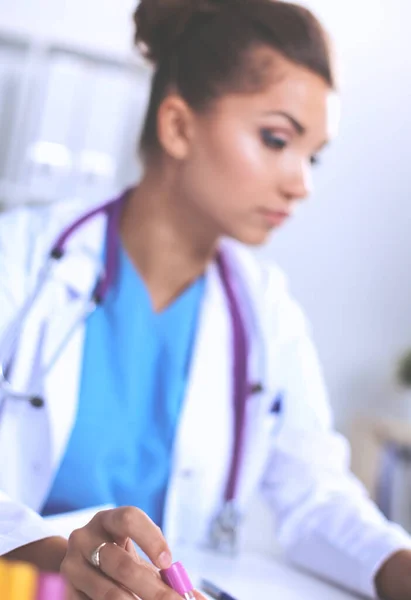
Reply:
x=194, y=380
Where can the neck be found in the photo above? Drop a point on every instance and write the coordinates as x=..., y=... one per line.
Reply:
x=168, y=244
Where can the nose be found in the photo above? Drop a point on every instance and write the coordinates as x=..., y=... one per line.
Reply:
x=298, y=184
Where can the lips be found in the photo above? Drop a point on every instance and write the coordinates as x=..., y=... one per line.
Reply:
x=275, y=217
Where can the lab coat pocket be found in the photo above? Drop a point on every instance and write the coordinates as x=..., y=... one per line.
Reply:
x=263, y=419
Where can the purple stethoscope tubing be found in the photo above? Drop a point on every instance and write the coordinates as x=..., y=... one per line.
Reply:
x=239, y=335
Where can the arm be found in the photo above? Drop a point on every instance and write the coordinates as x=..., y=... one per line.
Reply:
x=46, y=555
x=25, y=235
x=326, y=522
x=25, y=536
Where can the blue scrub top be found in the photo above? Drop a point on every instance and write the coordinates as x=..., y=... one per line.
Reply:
x=135, y=369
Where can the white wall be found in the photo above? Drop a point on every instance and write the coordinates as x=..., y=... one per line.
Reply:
x=348, y=254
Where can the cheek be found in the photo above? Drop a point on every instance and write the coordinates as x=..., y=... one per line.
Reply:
x=237, y=158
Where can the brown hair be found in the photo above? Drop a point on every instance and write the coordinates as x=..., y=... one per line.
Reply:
x=202, y=48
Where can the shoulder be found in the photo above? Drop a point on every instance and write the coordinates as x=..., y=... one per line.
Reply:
x=26, y=235
x=267, y=288
x=259, y=272
x=290, y=357
x=22, y=228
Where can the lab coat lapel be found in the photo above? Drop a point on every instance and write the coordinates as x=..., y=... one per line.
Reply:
x=203, y=449
x=75, y=278
x=29, y=472
x=204, y=440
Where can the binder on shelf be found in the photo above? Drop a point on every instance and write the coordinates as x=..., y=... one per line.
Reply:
x=11, y=63
x=47, y=167
x=69, y=122
x=130, y=166
x=97, y=163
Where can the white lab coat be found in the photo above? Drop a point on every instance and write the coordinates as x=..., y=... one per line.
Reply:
x=324, y=520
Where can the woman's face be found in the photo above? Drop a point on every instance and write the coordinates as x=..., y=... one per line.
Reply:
x=251, y=155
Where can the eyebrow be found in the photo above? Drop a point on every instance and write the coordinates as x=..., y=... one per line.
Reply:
x=300, y=129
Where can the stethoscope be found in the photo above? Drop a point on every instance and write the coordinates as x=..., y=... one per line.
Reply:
x=106, y=275
x=223, y=531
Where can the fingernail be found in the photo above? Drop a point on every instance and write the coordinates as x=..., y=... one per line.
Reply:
x=164, y=560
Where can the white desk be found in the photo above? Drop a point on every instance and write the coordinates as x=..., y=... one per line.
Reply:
x=251, y=576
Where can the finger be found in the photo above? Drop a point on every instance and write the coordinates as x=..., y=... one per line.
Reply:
x=97, y=528
x=91, y=583
x=131, y=549
x=72, y=594
x=140, y=578
x=130, y=522
x=199, y=596
x=83, y=544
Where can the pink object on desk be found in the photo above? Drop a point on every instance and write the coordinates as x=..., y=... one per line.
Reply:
x=176, y=577
x=51, y=586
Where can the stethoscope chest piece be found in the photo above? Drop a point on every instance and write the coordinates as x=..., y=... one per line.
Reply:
x=223, y=535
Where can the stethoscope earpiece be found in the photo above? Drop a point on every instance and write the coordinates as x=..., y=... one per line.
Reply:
x=256, y=388
x=97, y=299
x=37, y=402
x=57, y=253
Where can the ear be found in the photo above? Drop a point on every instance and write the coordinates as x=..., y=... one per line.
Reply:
x=175, y=127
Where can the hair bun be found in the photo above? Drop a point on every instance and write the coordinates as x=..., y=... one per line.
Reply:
x=160, y=23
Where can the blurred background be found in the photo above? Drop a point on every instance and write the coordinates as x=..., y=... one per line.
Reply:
x=72, y=100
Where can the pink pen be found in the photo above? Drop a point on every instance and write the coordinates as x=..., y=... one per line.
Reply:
x=51, y=586
x=176, y=577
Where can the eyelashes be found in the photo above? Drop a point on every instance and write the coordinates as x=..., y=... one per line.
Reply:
x=273, y=141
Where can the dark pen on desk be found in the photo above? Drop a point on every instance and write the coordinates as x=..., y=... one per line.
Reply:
x=212, y=590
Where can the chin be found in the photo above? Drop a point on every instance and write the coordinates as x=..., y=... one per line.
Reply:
x=255, y=237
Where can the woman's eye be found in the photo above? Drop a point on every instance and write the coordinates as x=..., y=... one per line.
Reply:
x=272, y=141
x=315, y=160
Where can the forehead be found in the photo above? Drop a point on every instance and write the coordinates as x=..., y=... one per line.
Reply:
x=287, y=88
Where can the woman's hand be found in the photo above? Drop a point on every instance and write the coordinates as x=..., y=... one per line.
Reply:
x=393, y=580
x=46, y=554
x=122, y=574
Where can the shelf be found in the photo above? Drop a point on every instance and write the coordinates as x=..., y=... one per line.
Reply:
x=38, y=43
x=117, y=85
